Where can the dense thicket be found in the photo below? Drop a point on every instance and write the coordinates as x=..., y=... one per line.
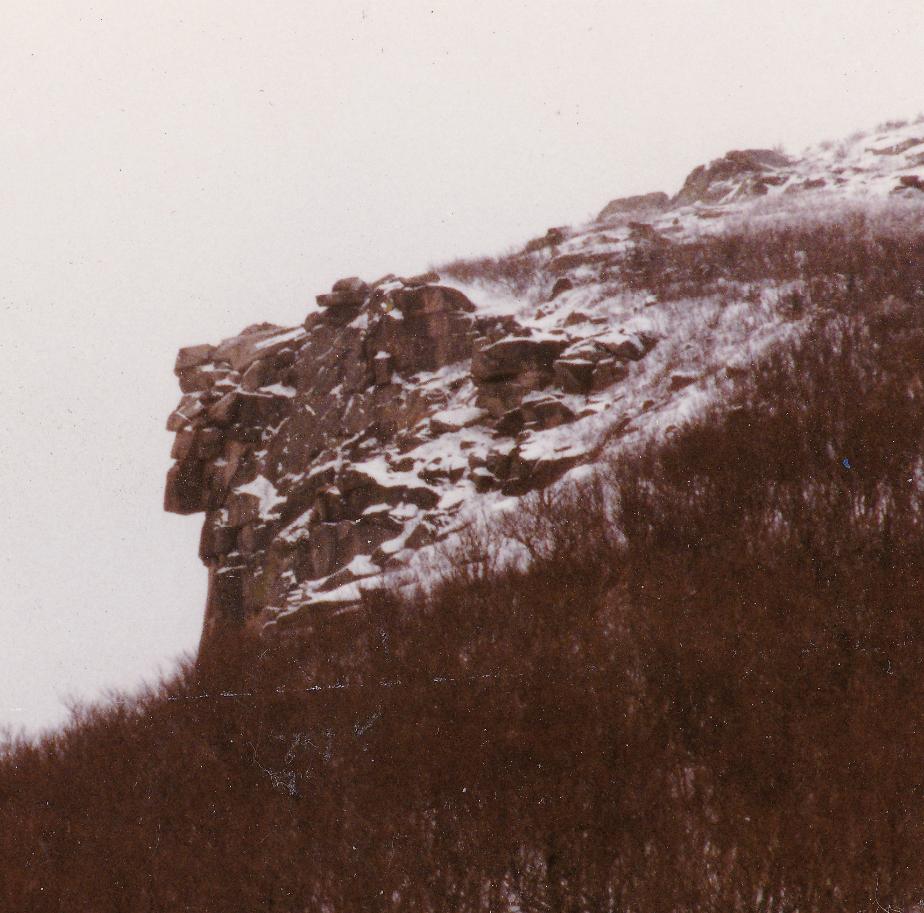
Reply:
x=705, y=693
x=838, y=263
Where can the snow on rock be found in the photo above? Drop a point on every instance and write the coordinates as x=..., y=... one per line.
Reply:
x=265, y=492
x=360, y=446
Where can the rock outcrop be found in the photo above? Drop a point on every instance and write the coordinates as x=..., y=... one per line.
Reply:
x=325, y=455
x=642, y=203
x=745, y=173
x=320, y=455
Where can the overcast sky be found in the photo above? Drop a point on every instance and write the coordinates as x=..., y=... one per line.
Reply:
x=173, y=171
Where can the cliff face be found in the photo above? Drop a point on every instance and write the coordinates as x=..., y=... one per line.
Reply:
x=321, y=455
x=326, y=455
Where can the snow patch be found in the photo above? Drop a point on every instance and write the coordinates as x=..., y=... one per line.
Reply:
x=264, y=490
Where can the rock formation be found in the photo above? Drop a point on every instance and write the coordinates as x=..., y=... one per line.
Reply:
x=646, y=202
x=750, y=172
x=319, y=453
x=324, y=455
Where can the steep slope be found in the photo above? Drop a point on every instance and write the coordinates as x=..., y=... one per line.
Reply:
x=328, y=455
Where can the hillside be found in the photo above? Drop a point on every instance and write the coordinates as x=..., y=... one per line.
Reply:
x=405, y=411
x=605, y=597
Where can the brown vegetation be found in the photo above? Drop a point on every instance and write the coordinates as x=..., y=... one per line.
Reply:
x=704, y=693
x=841, y=264
x=518, y=274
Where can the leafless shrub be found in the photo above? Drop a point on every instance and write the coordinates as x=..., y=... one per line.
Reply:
x=703, y=693
x=520, y=274
x=843, y=264
x=891, y=125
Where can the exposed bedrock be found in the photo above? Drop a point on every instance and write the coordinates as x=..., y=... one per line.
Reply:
x=325, y=454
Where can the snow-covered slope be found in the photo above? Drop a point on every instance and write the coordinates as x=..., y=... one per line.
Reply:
x=327, y=456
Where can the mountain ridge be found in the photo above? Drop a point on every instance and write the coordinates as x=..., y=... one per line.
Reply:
x=331, y=456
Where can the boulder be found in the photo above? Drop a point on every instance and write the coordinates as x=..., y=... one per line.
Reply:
x=185, y=492
x=606, y=373
x=483, y=480
x=642, y=202
x=360, y=490
x=368, y=533
x=194, y=380
x=351, y=284
x=498, y=461
x=628, y=347
x=193, y=357
x=331, y=546
x=531, y=475
x=508, y=358
x=425, y=328
x=176, y=421
x=183, y=444
x=225, y=410
x=208, y=443
x=349, y=301
x=256, y=375
x=191, y=410
x=736, y=169
x=499, y=397
x=261, y=342
x=440, y=469
x=511, y=422
x=197, y=443
x=257, y=408
x=576, y=317
x=302, y=496
x=259, y=328
x=574, y=375
x=547, y=412
x=430, y=299
x=247, y=434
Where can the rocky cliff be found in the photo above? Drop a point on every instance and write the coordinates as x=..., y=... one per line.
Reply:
x=327, y=455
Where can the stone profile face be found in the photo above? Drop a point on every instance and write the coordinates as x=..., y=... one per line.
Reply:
x=323, y=455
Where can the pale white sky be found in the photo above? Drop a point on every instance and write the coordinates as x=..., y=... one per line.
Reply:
x=173, y=171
